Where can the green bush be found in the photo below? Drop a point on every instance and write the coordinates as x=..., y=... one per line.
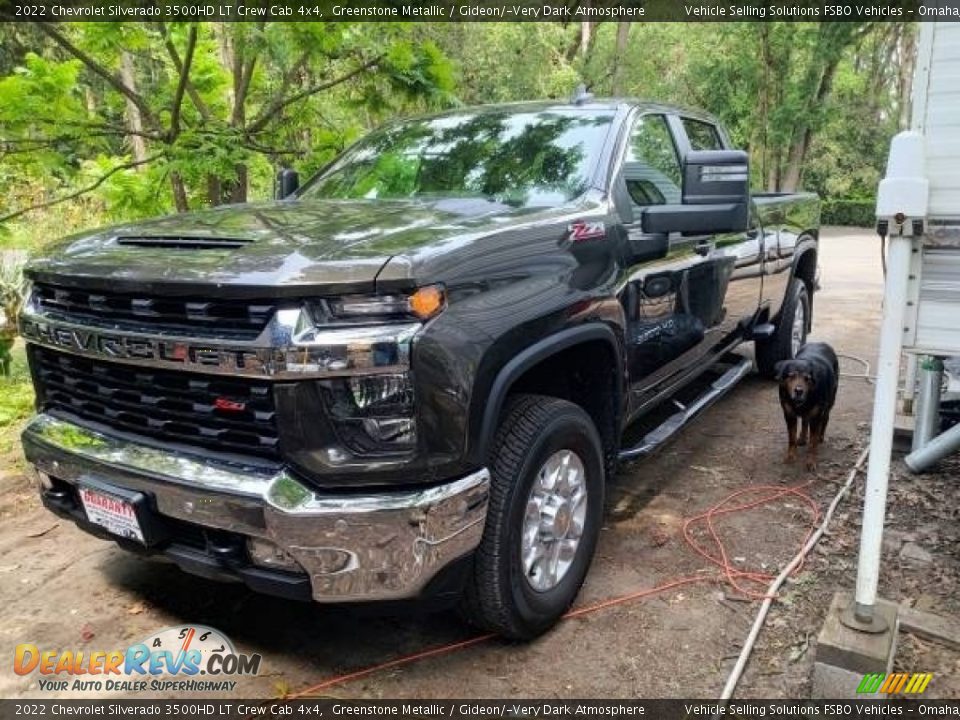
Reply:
x=16, y=402
x=858, y=212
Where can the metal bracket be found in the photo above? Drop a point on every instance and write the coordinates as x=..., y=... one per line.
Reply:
x=862, y=618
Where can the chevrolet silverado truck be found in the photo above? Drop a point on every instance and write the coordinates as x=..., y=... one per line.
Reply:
x=411, y=377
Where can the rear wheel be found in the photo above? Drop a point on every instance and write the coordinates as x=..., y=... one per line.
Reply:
x=543, y=521
x=791, y=332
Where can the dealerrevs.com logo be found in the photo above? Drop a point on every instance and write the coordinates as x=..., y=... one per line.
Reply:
x=178, y=659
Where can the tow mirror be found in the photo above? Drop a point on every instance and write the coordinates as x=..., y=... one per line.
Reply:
x=715, y=196
x=287, y=183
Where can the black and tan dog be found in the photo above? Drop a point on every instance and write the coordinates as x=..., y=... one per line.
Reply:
x=808, y=389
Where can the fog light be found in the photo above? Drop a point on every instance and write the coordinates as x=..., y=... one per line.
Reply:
x=392, y=432
x=265, y=554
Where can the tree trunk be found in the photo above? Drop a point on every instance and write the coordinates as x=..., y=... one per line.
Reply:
x=798, y=153
x=804, y=131
x=179, y=192
x=824, y=61
x=764, y=103
x=214, y=191
x=908, y=55
x=138, y=145
x=236, y=190
x=623, y=36
x=586, y=33
x=773, y=175
x=228, y=58
x=232, y=50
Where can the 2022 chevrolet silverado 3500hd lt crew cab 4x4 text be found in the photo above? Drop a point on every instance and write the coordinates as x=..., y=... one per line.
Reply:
x=411, y=377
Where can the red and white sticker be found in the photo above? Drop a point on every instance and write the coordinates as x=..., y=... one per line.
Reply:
x=111, y=513
x=582, y=230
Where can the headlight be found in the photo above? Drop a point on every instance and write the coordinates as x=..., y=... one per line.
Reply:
x=421, y=305
x=363, y=342
x=377, y=392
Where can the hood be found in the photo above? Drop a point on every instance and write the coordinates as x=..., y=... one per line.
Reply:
x=277, y=248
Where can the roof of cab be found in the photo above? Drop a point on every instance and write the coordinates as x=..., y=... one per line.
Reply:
x=607, y=105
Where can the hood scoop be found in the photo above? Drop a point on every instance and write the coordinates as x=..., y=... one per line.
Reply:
x=182, y=242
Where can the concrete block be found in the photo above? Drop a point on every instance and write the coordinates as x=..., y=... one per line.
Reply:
x=945, y=630
x=833, y=683
x=845, y=655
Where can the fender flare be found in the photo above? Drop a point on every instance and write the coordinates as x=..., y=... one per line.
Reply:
x=528, y=358
x=806, y=243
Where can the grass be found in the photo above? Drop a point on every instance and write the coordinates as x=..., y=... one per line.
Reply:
x=16, y=403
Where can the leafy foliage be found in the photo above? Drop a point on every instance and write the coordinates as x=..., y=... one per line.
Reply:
x=856, y=212
x=16, y=399
x=125, y=120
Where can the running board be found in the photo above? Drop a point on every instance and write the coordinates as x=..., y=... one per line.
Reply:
x=654, y=439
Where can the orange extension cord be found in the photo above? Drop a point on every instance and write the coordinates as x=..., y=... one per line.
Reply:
x=734, y=576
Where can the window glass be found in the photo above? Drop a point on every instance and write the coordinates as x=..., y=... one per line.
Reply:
x=651, y=168
x=702, y=136
x=516, y=158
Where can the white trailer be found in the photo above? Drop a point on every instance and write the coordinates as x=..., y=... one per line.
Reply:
x=933, y=302
x=918, y=208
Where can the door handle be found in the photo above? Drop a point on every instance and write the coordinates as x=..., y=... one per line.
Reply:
x=703, y=248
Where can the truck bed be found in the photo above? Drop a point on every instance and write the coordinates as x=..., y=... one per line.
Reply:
x=799, y=211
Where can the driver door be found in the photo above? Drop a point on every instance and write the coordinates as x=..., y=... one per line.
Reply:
x=674, y=304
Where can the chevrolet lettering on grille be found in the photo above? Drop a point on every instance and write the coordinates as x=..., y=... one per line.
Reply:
x=120, y=347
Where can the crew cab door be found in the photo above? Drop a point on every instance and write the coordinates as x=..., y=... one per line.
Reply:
x=739, y=256
x=673, y=303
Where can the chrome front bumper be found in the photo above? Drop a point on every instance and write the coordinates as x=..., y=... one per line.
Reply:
x=353, y=547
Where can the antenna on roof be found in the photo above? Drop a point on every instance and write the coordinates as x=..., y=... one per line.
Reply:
x=581, y=96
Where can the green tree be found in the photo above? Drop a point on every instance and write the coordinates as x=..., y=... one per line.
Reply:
x=204, y=103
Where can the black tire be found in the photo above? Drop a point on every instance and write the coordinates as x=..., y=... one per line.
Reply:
x=780, y=345
x=498, y=597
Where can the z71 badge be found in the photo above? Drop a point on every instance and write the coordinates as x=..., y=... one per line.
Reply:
x=582, y=231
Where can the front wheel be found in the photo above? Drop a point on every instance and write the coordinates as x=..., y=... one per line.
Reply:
x=543, y=520
x=791, y=332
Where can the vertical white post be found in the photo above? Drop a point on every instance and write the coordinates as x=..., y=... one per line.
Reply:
x=884, y=412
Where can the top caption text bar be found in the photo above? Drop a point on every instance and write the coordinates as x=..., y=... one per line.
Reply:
x=478, y=10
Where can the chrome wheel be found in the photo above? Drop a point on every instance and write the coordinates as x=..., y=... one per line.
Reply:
x=554, y=519
x=799, y=329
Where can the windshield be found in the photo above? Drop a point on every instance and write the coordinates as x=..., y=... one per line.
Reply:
x=516, y=158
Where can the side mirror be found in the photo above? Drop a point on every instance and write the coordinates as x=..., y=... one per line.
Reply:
x=715, y=197
x=287, y=183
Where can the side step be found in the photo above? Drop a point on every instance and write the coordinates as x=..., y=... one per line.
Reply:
x=654, y=439
x=763, y=331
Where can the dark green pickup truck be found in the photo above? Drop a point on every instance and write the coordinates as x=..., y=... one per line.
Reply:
x=413, y=376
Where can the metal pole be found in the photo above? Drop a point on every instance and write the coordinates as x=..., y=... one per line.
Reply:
x=881, y=438
x=935, y=450
x=927, y=417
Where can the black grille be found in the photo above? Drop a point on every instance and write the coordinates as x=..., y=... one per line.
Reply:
x=196, y=316
x=174, y=407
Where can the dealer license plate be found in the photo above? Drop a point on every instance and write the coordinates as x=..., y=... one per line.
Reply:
x=112, y=513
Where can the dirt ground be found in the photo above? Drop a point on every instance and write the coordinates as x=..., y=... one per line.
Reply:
x=60, y=588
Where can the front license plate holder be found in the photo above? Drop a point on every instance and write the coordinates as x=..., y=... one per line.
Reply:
x=125, y=514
